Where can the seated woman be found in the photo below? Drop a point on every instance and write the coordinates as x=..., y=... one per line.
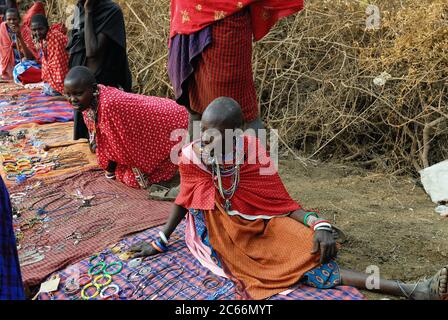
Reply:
x=132, y=132
x=17, y=59
x=242, y=223
x=51, y=43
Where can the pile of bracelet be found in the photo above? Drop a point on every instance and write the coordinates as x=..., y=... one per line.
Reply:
x=99, y=278
x=313, y=221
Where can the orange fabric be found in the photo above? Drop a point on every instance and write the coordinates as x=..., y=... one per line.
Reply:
x=266, y=256
x=55, y=59
x=6, y=53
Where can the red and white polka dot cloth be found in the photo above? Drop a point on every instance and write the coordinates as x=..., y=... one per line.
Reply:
x=55, y=59
x=134, y=131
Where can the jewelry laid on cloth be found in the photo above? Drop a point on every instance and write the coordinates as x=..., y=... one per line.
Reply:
x=94, y=294
x=115, y=291
x=31, y=259
x=101, y=277
x=134, y=263
x=224, y=289
x=71, y=287
x=211, y=283
x=182, y=289
x=145, y=271
x=92, y=230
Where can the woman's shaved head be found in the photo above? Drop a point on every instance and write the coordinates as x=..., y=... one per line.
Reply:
x=223, y=113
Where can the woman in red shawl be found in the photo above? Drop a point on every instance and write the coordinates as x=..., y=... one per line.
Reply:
x=132, y=132
x=14, y=46
x=52, y=45
x=242, y=224
x=211, y=51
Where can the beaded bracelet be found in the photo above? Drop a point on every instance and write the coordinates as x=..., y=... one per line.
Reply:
x=11, y=169
x=11, y=176
x=322, y=225
x=23, y=161
x=87, y=279
x=94, y=257
x=159, y=246
x=108, y=278
x=112, y=294
x=163, y=237
x=120, y=267
x=99, y=267
x=87, y=287
x=305, y=219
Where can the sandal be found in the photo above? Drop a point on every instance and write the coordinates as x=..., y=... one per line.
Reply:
x=161, y=193
x=434, y=286
x=434, y=292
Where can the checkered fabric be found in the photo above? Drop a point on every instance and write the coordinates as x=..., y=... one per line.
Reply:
x=115, y=212
x=224, y=69
x=177, y=275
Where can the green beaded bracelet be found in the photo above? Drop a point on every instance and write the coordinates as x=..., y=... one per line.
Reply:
x=307, y=215
x=97, y=266
x=119, y=264
x=93, y=258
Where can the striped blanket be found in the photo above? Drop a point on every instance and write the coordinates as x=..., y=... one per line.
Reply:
x=175, y=275
x=20, y=106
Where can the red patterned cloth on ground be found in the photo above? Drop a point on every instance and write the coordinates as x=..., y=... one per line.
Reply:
x=55, y=59
x=134, y=131
x=189, y=16
x=224, y=69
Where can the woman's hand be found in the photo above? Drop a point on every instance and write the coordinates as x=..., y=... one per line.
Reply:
x=143, y=249
x=325, y=243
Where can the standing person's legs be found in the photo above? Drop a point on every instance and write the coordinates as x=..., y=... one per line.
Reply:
x=224, y=69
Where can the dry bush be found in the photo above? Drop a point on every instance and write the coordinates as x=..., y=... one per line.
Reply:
x=314, y=74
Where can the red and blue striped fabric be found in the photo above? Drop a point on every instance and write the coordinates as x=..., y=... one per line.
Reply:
x=31, y=107
x=177, y=275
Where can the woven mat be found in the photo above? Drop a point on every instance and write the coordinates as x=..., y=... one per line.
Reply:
x=20, y=106
x=175, y=275
x=115, y=212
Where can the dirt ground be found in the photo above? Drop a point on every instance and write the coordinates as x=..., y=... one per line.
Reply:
x=390, y=222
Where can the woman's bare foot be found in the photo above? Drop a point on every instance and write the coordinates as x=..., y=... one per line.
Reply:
x=435, y=288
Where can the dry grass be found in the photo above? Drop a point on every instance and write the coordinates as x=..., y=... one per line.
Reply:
x=314, y=75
